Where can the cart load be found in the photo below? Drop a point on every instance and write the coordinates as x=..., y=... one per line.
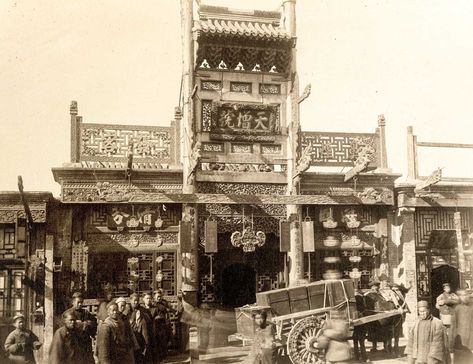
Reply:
x=299, y=314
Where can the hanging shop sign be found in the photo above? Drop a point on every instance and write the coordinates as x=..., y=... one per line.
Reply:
x=144, y=219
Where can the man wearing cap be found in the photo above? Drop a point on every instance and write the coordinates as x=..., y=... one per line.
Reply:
x=427, y=341
x=386, y=291
x=446, y=303
x=372, y=298
x=86, y=325
x=21, y=342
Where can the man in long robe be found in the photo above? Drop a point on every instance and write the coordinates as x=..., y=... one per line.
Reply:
x=112, y=340
x=141, y=325
x=427, y=342
x=66, y=346
x=161, y=324
x=86, y=325
x=446, y=303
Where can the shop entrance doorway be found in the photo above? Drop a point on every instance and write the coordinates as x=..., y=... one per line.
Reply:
x=443, y=274
x=238, y=285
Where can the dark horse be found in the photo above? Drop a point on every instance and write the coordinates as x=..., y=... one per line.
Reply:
x=386, y=329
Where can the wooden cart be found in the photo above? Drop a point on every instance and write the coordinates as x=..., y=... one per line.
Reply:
x=300, y=313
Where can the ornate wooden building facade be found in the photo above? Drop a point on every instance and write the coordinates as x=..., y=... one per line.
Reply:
x=434, y=228
x=23, y=250
x=232, y=198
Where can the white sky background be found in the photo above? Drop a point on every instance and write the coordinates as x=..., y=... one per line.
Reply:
x=411, y=60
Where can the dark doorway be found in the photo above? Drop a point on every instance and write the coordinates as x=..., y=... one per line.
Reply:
x=238, y=285
x=440, y=275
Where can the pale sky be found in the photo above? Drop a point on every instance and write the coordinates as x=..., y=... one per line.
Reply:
x=411, y=60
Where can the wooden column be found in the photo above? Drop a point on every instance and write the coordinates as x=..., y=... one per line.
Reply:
x=48, y=297
x=409, y=257
x=412, y=161
x=382, y=142
x=295, y=255
x=75, y=133
x=190, y=281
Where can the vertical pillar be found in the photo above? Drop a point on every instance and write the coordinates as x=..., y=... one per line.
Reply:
x=190, y=281
x=295, y=255
x=409, y=257
x=48, y=296
x=75, y=133
x=412, y=162
x=383, y=156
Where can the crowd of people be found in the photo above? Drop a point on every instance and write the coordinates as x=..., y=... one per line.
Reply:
x=133, y=331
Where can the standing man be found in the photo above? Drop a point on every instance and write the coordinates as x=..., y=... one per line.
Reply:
x=21, y=342
x=66, y=346
x=427, y=341
x=112, y=342
x=140, y=322
x=86, y=325
x=446, y=303
x=372, y=298
x=123, y=315
x=162, y=325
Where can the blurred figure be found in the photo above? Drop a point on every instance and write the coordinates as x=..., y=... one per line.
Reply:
x=66, y=346
x=446, y=303
x=262, y=348
x=334, y=338
x=182, y=329
x=140, y=323
x=427, y=342
x=112, y=342
x=463, y=326
x=21, y=342
x=86, y=325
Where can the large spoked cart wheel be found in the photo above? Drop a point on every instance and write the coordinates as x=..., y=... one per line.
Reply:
x=302, y=345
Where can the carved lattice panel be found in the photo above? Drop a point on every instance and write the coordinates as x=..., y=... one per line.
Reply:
x=267, y=281
x=338, y=149
x=166, y=265
x=428, y=220
x=102, y=142
x=144, y=270
x=207, y=288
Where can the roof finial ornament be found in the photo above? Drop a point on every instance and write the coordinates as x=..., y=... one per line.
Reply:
x=73, y=109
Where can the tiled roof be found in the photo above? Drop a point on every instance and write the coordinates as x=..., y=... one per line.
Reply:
x=241, y=28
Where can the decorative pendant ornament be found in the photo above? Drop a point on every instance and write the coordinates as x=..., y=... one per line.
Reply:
x=350, y=217
x=355, y=259
x=355, y=274
x=248, y=239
